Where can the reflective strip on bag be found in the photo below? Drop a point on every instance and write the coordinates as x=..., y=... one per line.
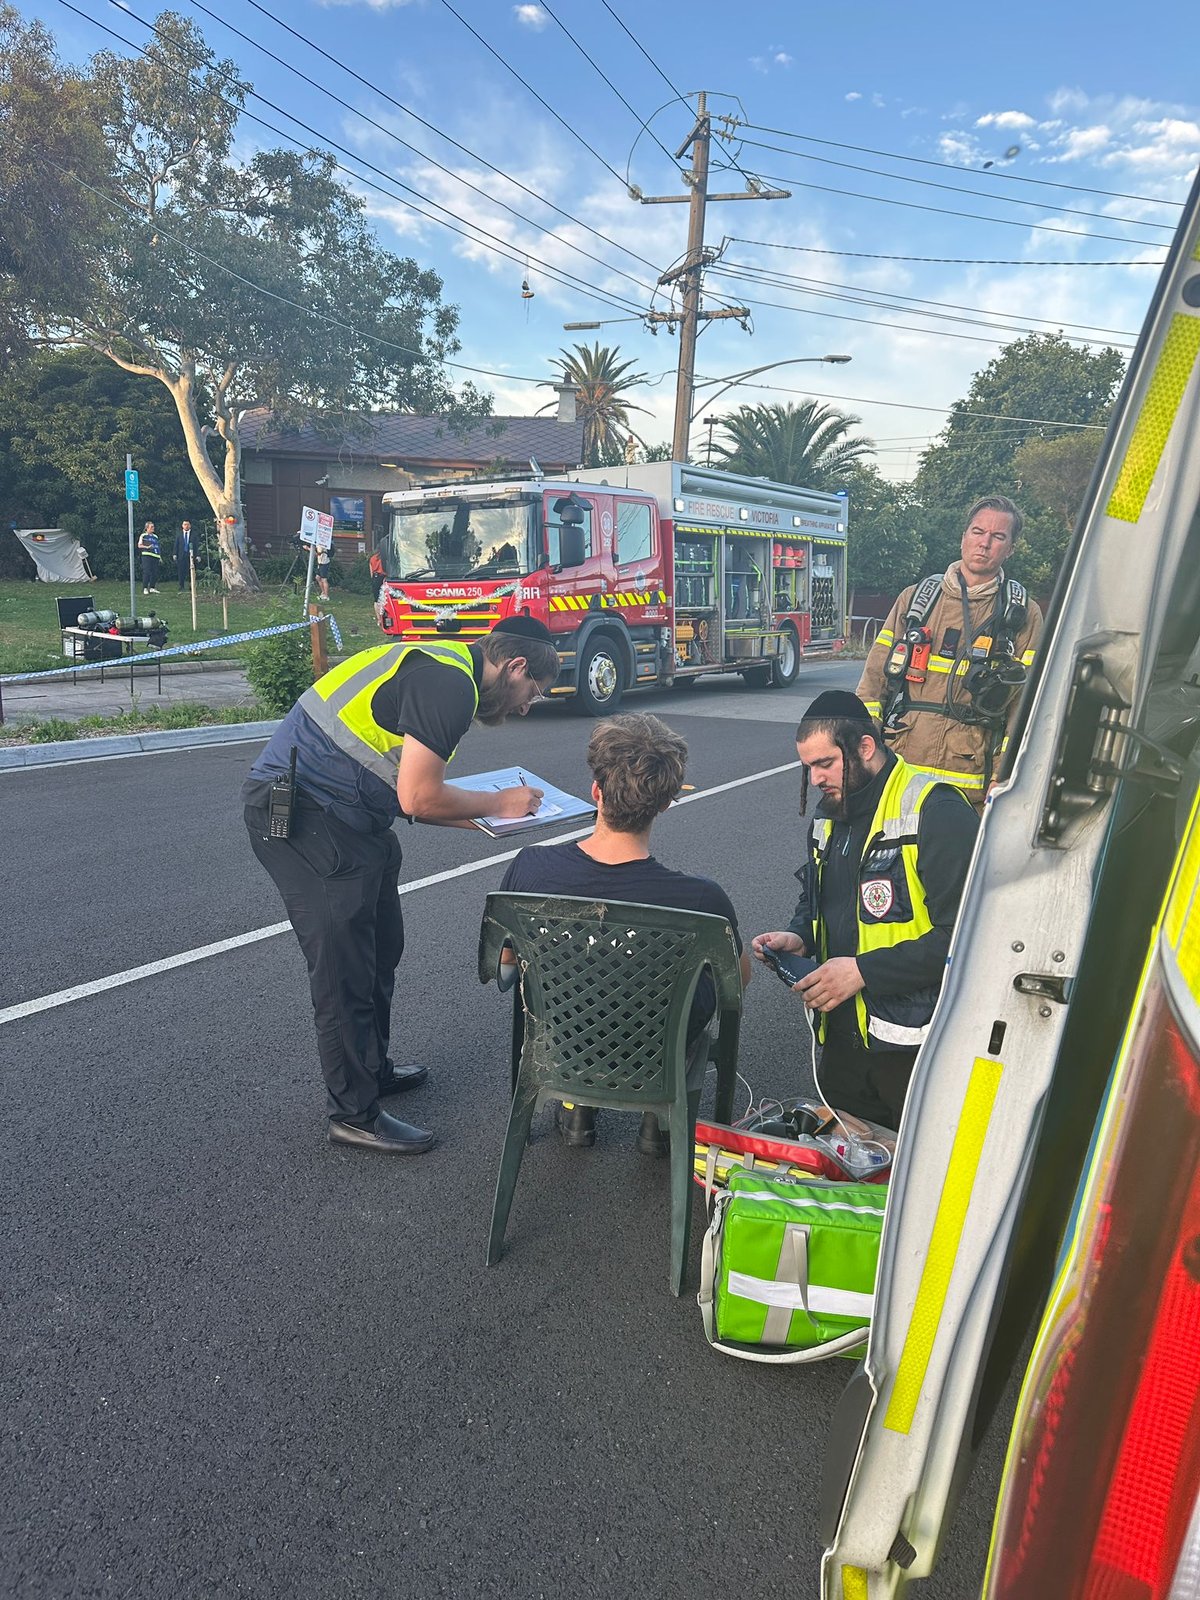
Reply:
x=821, y=1298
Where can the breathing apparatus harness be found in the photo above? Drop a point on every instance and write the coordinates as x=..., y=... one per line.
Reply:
x=993, y=677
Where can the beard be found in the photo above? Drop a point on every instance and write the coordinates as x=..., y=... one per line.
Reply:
x=496, y=704
x=854, y=777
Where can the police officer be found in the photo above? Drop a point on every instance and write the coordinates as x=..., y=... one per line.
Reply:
x=371, y=741
x=946, y=698
x=888, y=852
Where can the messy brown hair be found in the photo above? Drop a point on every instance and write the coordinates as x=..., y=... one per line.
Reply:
x=638, y=763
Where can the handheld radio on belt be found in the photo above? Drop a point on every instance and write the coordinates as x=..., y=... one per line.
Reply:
x=283, y=795
x=993, y=676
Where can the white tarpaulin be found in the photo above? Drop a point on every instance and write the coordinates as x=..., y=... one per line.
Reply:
x=59, y=556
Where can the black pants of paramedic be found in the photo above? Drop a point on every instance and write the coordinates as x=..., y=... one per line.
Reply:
x=339, y=890
x=866, y=1083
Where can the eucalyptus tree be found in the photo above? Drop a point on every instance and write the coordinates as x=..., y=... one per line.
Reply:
x=234, y=282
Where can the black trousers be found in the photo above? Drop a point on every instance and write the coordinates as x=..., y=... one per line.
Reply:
x=183, y=572
x=867, y=1083
x=150, y=566
x=339, y=890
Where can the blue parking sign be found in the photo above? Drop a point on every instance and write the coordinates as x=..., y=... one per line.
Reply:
x=131, y=486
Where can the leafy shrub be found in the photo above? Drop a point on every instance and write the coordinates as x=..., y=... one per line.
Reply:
x=280, y=668
x=353, y=576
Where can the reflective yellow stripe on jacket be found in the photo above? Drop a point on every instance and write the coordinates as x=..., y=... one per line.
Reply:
x=898, y=1022
x=340, y=702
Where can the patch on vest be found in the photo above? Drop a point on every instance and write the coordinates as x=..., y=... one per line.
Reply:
x=878, y=896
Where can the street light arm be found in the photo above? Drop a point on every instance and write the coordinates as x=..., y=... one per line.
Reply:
x=738, y=377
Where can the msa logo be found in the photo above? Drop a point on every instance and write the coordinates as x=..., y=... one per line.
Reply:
x=878, y=897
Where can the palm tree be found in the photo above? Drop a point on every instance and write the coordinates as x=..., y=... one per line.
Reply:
x=805, y=444
x=601, y=378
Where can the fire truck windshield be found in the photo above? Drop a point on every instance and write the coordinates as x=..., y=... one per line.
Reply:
x=467, y=538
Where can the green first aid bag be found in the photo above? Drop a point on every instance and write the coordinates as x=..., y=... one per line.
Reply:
x=788, y=1269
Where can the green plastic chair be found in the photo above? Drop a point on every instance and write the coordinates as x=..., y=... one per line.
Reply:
x=600, y=1019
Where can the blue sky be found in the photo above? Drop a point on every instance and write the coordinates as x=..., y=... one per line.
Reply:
x=1098, y=100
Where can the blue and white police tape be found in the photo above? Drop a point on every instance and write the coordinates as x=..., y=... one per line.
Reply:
x=176, y=649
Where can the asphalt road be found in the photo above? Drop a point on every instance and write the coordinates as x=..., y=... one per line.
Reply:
x=238, y=1362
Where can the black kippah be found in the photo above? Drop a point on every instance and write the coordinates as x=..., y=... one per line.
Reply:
x=525, y=628
x=837, y=703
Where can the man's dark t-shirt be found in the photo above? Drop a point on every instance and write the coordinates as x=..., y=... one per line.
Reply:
x=566, y=869
x=427, y=698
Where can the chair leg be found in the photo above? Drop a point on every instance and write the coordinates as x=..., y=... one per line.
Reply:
x=520, y=1118
x=683, y=1139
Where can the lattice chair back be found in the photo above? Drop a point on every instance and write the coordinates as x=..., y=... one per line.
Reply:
x=606, y=994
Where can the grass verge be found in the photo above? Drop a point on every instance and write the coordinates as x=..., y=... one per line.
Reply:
x=30, y=640
x=183, y=714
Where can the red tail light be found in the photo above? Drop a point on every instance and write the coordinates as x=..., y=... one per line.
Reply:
x=1103, y=1481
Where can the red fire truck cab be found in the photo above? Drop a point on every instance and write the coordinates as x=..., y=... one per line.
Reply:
x=653, y=574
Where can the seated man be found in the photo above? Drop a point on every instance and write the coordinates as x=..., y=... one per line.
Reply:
x=637, y=765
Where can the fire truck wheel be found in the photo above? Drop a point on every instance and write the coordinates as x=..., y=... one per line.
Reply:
x=601, y=680
x=785, y=669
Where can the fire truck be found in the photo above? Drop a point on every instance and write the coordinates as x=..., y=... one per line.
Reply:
x=655, y=574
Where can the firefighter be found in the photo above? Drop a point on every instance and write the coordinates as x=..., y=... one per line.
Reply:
x=888, y=852
x=946, y=669
x=367, y=743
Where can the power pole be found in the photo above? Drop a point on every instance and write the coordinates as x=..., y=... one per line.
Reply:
x=691, y=269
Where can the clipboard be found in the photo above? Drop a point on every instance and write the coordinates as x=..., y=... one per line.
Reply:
x=557, y=805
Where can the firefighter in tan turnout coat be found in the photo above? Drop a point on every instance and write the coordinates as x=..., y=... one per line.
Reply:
x=946, y=669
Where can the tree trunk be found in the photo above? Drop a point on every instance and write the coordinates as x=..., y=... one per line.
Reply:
x=224, y=491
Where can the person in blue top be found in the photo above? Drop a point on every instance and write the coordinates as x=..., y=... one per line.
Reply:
x=151, y=558
x=371, y=740
x=637, y=765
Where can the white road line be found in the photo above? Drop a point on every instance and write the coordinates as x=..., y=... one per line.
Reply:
x=204, y=952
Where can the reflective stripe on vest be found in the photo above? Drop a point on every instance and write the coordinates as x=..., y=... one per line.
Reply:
x=340, y=702
x=897, y=819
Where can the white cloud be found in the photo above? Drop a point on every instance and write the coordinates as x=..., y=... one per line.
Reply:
x=531, y=16
x=1079, y=142
x=1067, y=100
x=1170, y=145
x=854, y=95
x=1018, y=120
x=878, y=101
x=374, y=5
x=957, y=147
x=782, y=59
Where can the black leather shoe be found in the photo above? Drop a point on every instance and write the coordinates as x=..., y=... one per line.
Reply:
x=394, y=1079
x=388, y=1135
x=577, y=1124
x=651, y=1139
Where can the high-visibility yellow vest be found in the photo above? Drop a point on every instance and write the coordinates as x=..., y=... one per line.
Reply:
x=890, y=908
x=340, y=702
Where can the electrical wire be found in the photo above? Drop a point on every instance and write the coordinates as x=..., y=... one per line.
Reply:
x=480, y=236
x=954, y=188
x=906, y=405
x=574, y=132
x=645, y=126
x=937, y=261
x=748, y=274
x=441, y=134
x=951, y=166
x=905, y=327
x=753, y=272
x=947, y=211
x=421, y=154
x=155, y=225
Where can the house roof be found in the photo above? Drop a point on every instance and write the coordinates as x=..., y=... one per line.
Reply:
x=425, y=441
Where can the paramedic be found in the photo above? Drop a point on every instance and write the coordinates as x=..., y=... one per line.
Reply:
x=372, y=739
x=888, y=852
